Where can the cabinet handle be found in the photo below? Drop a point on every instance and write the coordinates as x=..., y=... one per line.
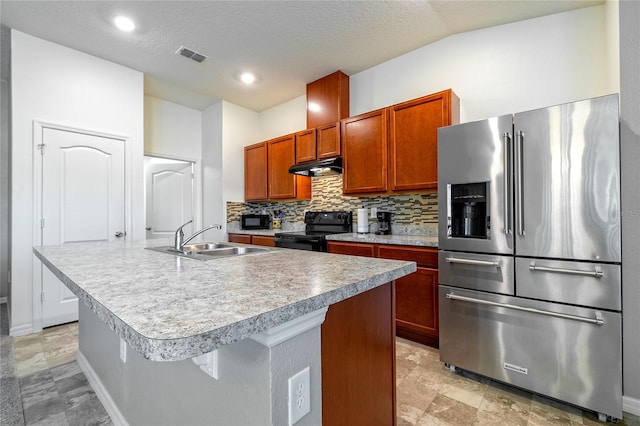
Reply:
x=597, y=320
x=597, y=273
x=490, y=263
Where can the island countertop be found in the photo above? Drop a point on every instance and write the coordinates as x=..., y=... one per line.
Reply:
x=172, y=308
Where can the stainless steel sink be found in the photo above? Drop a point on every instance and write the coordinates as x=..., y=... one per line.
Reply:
x=209, y=251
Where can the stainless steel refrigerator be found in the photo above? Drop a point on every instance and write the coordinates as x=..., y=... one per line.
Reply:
x=530, y=252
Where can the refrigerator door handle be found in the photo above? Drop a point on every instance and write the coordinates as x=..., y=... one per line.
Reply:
x=597, y=273
x=519, y=137
x=598, y=320
x=490, y=263
x=506, y=137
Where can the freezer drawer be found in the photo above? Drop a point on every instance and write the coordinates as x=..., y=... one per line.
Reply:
x=578, y=283
x=575, y=357
x=483, y=272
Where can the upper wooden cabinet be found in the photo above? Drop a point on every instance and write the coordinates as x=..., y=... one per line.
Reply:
x=281, y=154
x=401, y=139
x=328, y=141
x=305, y=146
x=364, y=152
x=266, y=172
x=255, y=172
x=413, y=139
x=327, y=100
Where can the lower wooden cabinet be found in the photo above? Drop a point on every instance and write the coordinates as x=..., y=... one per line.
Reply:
x=358, y=360
x=259, y=240
x=416, y=294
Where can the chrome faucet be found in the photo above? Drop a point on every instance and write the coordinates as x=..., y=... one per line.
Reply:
x=179, y=240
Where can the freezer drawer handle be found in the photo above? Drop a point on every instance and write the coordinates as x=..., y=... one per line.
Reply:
x=597, y=320
x=490, y=263
x=596, y=274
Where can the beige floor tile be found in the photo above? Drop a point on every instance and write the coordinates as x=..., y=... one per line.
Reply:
x=555, y=409
x=27, y=340
x=449, y=411
x=467, y=391
x=25, y=353
x=501, y=406
x=37, y=362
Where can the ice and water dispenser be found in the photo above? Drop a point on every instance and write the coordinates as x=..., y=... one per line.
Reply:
x=468, y=208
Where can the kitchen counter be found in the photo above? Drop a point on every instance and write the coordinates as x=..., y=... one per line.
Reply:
x=171, y=308
x=397, y=239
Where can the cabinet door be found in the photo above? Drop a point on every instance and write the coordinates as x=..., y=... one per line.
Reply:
x=255, y=172
x=327, y=99
x=413, y=140
x=240, y=238
x=364, y=145
x=262, y=240
x=417, y=306
x=305, y=146
x=354, y=249
x=328, y=141
x=281, y=154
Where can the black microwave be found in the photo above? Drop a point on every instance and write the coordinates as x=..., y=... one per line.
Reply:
x=255, y=221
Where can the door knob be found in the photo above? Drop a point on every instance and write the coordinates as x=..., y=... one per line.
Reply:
x=119, y=234
x=148, y=228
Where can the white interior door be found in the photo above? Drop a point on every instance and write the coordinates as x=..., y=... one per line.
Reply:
x=83, y=199
x=169, y=196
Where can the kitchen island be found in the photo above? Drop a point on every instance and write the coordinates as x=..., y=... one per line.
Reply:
x=233, y=330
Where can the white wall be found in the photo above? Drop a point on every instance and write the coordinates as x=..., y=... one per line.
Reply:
x=54, y=84
x=212, y=205
x=4, y=188
x=630, y=154
x=240, y=128
x=504, y=69
x=172, y=130
x=288, y=117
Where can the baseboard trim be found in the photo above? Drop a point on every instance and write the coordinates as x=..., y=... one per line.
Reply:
x=3, y=300
x=631, y=405
x=21, y=330
x=101, y=392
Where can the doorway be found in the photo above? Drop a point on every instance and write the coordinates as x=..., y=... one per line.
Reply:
x=169, y=196
x=81, y=185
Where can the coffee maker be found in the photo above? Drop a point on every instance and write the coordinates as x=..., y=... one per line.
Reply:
x=384, y=223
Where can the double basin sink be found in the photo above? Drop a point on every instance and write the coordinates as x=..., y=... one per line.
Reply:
x=209, y=251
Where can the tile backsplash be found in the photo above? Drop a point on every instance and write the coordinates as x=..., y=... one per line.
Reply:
x=412, y=213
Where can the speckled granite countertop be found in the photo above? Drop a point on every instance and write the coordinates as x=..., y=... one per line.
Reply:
x=404, y=240
x=170, y=308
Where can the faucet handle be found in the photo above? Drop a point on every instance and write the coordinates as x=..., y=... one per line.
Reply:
x=182, y=226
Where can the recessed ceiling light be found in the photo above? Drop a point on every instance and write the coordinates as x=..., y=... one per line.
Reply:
x=247, y=78
x=124, y=24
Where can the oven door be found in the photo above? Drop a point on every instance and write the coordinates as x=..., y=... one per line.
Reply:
x=300, y=242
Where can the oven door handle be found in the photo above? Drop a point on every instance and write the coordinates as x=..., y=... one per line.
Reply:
x=489, y=263
x=597, y=320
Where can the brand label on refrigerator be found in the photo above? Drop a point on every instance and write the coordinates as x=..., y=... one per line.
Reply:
x=516, y=368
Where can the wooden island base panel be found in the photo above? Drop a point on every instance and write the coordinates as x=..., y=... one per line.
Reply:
x=168, y=340
x=358, y=360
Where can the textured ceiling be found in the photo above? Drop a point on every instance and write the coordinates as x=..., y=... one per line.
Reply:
x=287, y=44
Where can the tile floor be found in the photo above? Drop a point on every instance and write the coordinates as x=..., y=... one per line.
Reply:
x=53, y=390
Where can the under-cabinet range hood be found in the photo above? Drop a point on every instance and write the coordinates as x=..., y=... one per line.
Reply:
x=325, y=167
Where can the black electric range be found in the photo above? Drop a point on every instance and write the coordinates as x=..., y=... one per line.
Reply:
x=317, y=226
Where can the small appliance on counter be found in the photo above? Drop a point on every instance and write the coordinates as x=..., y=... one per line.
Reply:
x=363, y=221
x=384, y=223
x=255, y=221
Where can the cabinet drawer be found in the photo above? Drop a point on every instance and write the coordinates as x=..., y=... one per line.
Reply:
x=261, y=240
x=354, y=249
x=422, y=256
x=577, y=283
x=240, y=238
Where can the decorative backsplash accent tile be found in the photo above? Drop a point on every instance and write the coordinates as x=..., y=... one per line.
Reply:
x=412, y=213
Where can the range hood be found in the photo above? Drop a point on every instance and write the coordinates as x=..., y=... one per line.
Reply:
x=325, y=167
